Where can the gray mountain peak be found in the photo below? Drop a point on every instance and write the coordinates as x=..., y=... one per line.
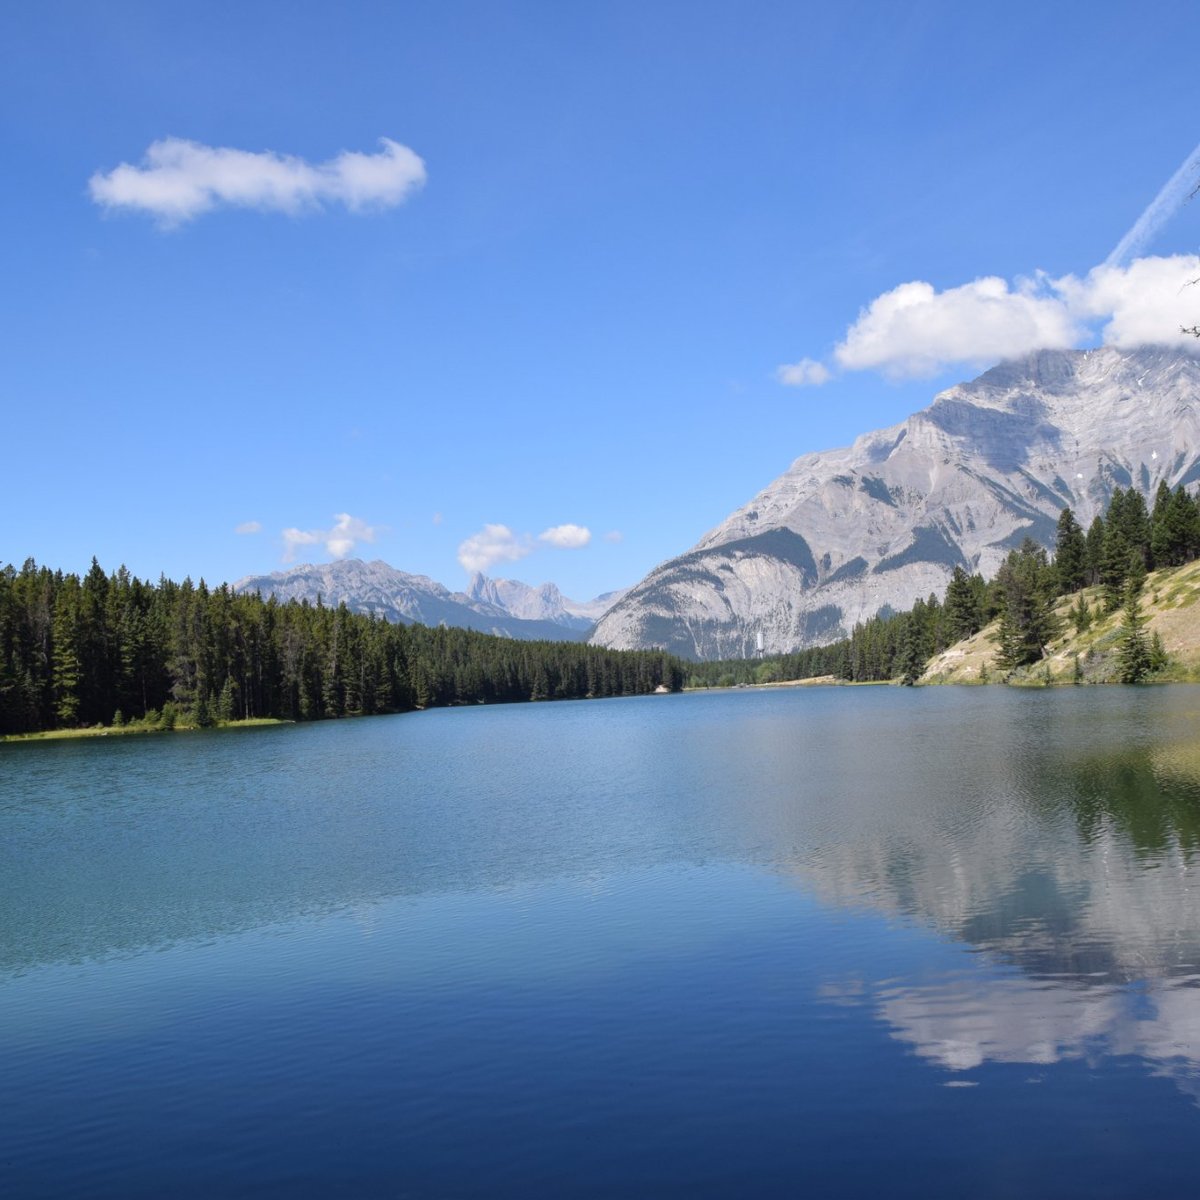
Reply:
x=542, y=603
x=845, y=534
x=500, y=606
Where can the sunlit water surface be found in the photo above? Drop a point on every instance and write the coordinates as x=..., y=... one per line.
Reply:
x=846, y=941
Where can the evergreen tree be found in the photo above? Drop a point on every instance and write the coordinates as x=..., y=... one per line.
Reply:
x=1135, y=576
x=1027, y=620
x=202, y=713
x=1160, y=539
x=1158, y=653
x=1134, y=522
x=1081, y=615
x=1114, y=570
x=226, y=705
x=912, y=659
x=1095, y=550
x=1070, y=554
x=66, y=657
x=961, y=609
x=1176, y=530
x=1134, y=651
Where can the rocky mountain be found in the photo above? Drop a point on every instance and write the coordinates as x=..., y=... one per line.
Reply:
x=844, y=534
x=504, y=607
x=544, y=603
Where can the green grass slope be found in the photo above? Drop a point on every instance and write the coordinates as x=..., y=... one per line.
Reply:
x=1168, y=602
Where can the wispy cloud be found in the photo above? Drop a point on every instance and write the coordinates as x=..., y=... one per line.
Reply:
x=338, y=542
x=248, y=527
x=566, y=537
x=1174, y=195
x=614, y=535
x=179, y=180
x=493, y=544
x=805, y=373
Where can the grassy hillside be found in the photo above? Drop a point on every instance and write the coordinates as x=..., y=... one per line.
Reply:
x=1168, y=602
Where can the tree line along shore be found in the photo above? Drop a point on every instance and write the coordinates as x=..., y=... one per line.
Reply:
x=114, y=651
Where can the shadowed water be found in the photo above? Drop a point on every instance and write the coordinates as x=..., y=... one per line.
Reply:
x=836, y=941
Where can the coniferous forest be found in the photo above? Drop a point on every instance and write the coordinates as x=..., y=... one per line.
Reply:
x=113, y=649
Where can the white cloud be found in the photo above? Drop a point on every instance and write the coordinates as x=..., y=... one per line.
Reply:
x=805, y=373
x=248, y=527
x=614, y=535
x=497, y=543
x=346, y=533
x=1145, y=303
x=914, y=330
x=566, y=537
x=492, y=544
x=179, y=180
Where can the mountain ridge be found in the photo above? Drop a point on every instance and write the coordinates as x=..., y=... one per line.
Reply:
x=504, y=607
x=847, y=533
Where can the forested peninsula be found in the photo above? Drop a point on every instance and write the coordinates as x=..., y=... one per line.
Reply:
x=114, y=650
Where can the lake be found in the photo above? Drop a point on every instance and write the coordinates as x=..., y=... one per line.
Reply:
x=828, y=941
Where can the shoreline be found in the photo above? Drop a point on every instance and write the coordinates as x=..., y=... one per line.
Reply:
x=58, y=735
x=1023, y=684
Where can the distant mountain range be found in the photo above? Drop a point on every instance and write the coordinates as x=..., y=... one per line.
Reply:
x=845, y=534
x=505, y=607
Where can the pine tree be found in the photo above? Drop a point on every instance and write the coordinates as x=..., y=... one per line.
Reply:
x=225, y=701
x=1095, y=550
x=1160, y=535
x=66, y=659
x=1114, y=570
x=1081, y=615
x=1070, y=554
x=1134, y=652
x=1027, y=619
x=202, y=713
x=1134, y=523
x=961, y=609
x=1135, y=576
x=1177, y=534
x=1158, y=653
x=912, y=660
x=1012, y=651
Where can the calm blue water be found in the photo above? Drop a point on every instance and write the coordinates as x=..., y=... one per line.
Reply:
x=829, y=942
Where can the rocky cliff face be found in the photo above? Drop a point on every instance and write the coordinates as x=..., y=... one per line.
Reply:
x=844, y=534
x=504, y=607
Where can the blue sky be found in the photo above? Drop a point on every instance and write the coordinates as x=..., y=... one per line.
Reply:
x=629, y=217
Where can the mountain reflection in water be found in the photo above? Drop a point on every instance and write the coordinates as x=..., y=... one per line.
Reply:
x=1090, y=947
